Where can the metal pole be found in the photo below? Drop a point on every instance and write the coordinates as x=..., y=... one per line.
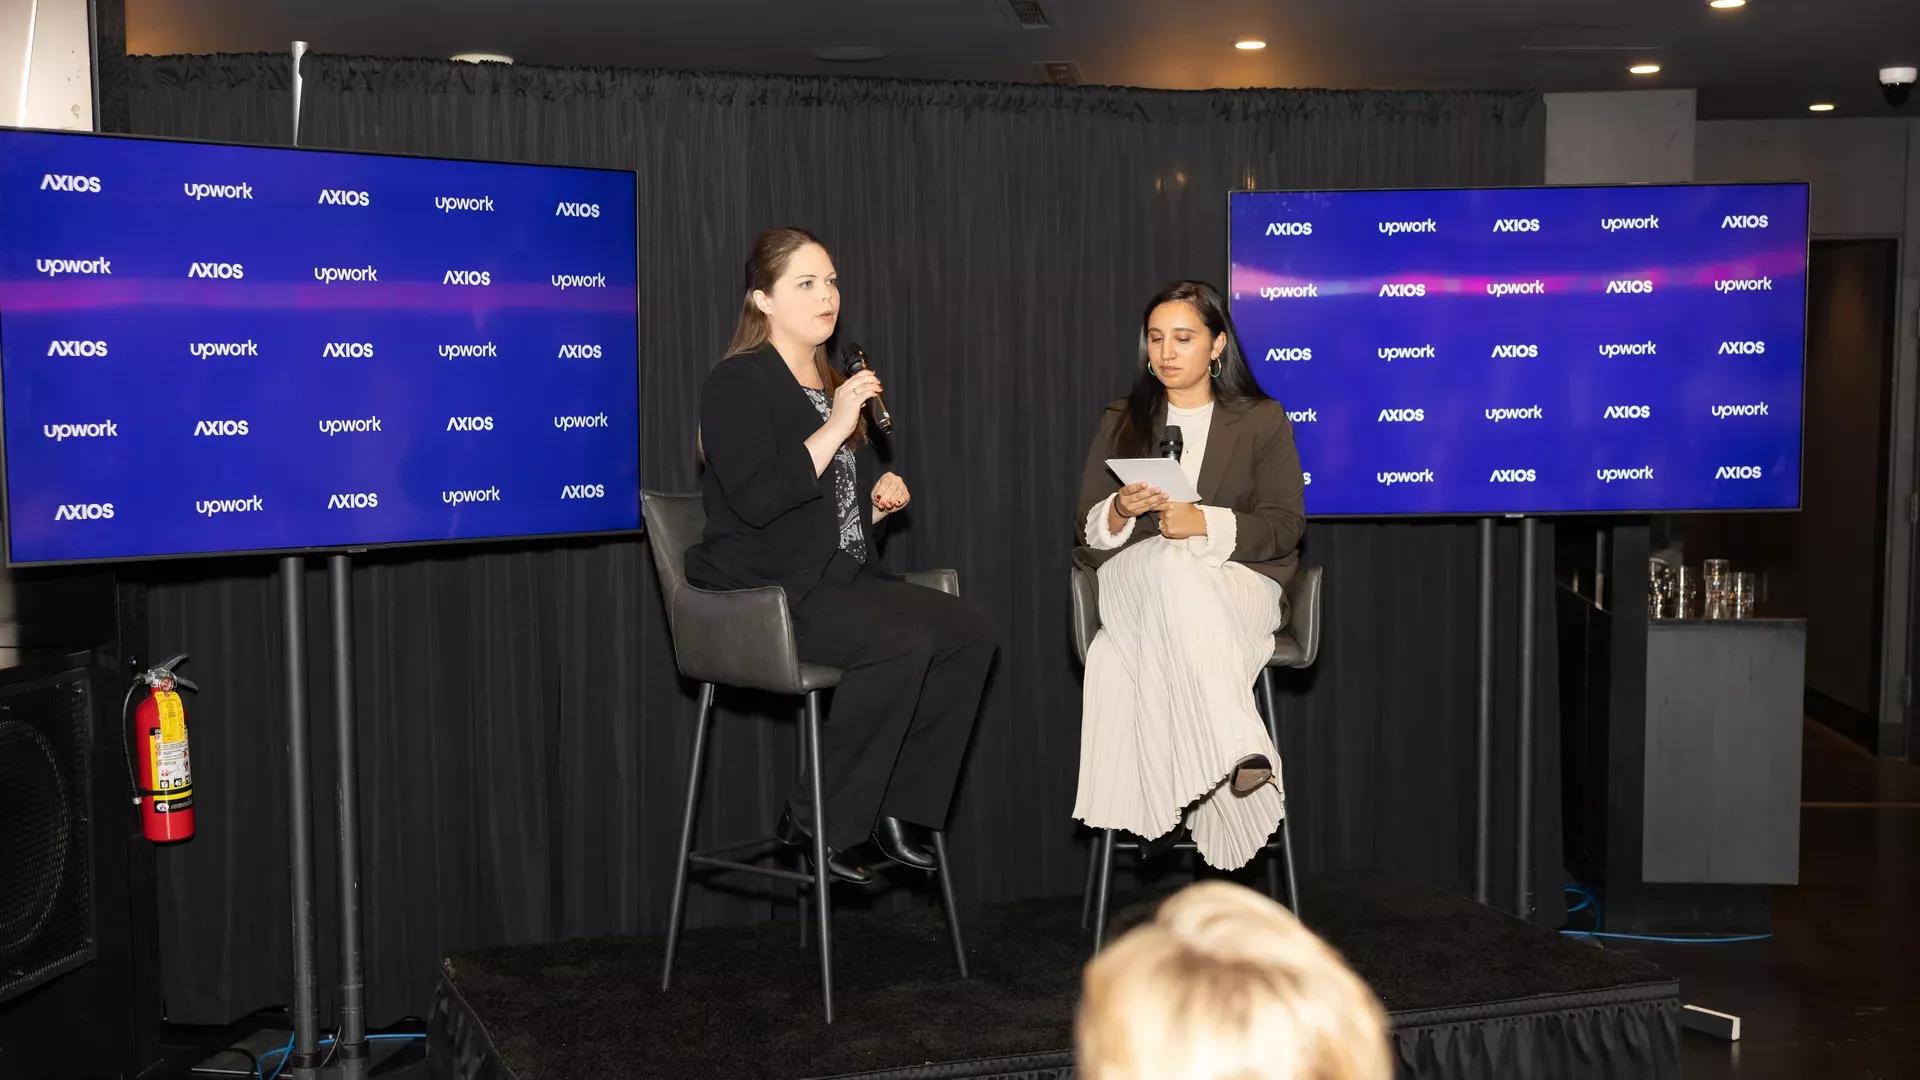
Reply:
x=299, y=51
x=306, y=1025
x=352, y=1037
x=1483, y=722
x=1523, y=798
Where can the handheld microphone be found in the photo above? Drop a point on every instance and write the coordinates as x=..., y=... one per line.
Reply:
x=1171, y=443
x=856, y=358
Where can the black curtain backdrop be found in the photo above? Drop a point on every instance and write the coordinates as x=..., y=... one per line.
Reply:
x=523, y=732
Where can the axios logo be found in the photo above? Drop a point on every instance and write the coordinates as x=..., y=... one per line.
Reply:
x=1288, y=355
x=354, y=500
x=1722, y=412
x=1517, y=288
x=577, y=209
x=1531, y=412
x=84, y=512
x=331, y=428
x=1403, y=288
x=1732, y=285
x=1513, y=476
x=343, y=197
x=76, y=348
x=210, y=507
x=469, y=423
x=70, y=182
x=579, y=352
x=579, y=281
x=106, y=429
x=357, y=350
x=1742, y=348
x=1512, y=352
x=1402, y=416
x=584, y=491
x=1739, y=472
x=1388, y=479
x=1627, y=412
x=1744, y=221
x=219, y=427
x=467, y=277
x=196, y=192
x=476, y=495
x=448, y=204
x=56, y=267
x=1391, y=353
x=1517, y=224
x=1636, y=348
x=1608, y=476
x=1289, y=292
x=1616, y=224
x=1290, y=228
x=468, y=352
x=1395, y=228
x=327, y=275
x=1630, y=285
x=229, y=271
x=1303, y=416
x=208, y=349
x=571, y=423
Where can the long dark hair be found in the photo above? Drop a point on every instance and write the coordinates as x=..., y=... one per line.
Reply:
x=766, y=261
x=1235, y=383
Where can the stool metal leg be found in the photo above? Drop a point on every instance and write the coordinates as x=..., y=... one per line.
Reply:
x=1103, y=884
x=946, y=897
x=1293, y=882
x=821, y=875
x=1086, y=891
x=799, y=860
x=1272, y=710
x=686, y=832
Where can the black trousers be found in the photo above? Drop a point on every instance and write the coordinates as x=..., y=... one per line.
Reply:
x=916, y=663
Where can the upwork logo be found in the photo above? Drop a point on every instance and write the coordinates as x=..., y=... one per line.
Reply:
x=469, y=423
x=1303, y=416
x=210, y=507
x=579, y=281
x=1517, y=224
x=1616, y=224
x=76, y=348
x=573, y=423
x=105, y=429
x=476, y=495
x=1289, y=292
x=1399, y=288
x=584, y=491
x=448, y=204
x=1391, y=353
x=1640, y=348
x=1722, y=412
x=1516, y=288
x=1742, y=348
x=1402, y=416
x=1744, y=221
x=327, y=275
x=1733, y=285
x=1513, y=476
x=196, y=192
x=1531, y=412
x=1289, y=355
x=228, y=271
x=468, y=352
x=56, y=267
x=467, y=277
x=1290, y=228
x=219, y=427
x=1608, y=476
x=1513, y=352
x=1388, y=479
x=343, y=197
x=355, y=350
x=331, y=428
x=579, y=352
x=1627, y=412
x=354, y=500
x=577, y=209
x=84, y=512
x=1306, y=479
x=1739, y=472
x=1396, y=228
x=1630, y=285
x=208, y=349
x=70, y=182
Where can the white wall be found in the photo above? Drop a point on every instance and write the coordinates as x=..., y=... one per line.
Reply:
x=46, y=73
x=1635, y=137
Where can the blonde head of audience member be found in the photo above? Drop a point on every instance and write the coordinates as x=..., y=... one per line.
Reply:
x=1225, y=984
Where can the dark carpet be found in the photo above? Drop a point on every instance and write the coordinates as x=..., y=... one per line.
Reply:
x=745, y=1001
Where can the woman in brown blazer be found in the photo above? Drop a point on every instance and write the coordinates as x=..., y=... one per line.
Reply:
x=1190, y=593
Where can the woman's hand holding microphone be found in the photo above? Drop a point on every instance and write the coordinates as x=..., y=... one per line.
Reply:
x=848, y=400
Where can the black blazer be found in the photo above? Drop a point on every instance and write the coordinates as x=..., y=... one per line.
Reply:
x=770, y=520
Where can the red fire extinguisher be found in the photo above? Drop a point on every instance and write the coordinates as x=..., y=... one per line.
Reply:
x=161, y=769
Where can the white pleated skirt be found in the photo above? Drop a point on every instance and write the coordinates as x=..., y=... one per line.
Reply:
x=1168, y=705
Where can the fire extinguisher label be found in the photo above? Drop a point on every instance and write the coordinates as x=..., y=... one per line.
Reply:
x=172, y=767
x=173, y=716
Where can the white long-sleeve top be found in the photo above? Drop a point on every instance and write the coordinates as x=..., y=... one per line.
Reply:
x=1216, y=547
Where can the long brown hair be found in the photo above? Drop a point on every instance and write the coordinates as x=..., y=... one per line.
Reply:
x=767, y=260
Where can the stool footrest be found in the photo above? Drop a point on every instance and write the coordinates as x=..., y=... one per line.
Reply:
x=749, y=868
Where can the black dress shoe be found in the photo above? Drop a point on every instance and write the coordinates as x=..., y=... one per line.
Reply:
x=1160, y=845
x=841, y=865
x=905, y=843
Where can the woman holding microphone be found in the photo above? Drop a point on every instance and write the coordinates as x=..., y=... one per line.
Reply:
x=1190, y=592
x=793, y=498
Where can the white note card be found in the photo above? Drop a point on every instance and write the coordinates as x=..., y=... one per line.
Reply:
x=1163, y=473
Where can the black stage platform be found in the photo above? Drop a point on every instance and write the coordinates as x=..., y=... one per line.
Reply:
x=1473, y=993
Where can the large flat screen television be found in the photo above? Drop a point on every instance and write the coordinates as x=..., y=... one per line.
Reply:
x=212, y=349
x=1531, y=350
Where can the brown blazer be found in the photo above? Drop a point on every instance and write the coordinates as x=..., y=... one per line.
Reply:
x=1251, y=468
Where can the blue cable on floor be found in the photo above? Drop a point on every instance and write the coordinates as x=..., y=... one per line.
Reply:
x=286, y=1052
x=1589, y=899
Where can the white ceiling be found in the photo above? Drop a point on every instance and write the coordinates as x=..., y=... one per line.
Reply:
x=1770, y=58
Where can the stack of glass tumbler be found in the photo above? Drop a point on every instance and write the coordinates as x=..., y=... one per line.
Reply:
x=1676, y=592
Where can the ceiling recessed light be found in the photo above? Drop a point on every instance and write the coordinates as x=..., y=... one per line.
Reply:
x=1820, y=106
x=1726, y=4
x=1644, y=69
x=481, y=58
x=1250, y=44
x=848, y=54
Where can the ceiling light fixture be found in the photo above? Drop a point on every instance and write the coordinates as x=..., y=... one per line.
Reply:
x=1726, y=5
x=1644, y=69
x=1820, y=106
x=481, y=58
x=1249, y=44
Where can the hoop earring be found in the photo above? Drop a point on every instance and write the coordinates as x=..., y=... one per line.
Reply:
x=1150, y=370
x=1214, y=367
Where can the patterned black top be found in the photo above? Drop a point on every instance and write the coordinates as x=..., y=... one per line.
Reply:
x=846, y=493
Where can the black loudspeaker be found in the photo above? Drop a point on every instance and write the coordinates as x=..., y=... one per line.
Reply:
x=46, y=831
